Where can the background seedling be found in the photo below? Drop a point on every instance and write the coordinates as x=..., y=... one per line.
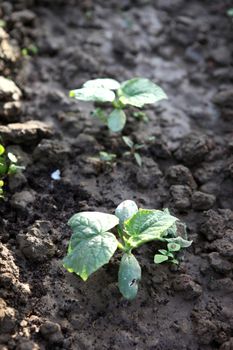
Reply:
x=134, y=147
x=31, y=50
x=8, y=166
x=107, y=157
x=92, y=244
x=134, y=92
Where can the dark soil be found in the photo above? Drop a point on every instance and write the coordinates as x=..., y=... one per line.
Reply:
x=186, y=47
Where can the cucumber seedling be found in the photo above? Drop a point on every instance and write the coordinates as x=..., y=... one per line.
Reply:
x=8, y=166
x=92, y=244
x=134, y=92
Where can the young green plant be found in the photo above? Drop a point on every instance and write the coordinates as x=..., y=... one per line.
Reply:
x=134, y=92
x=134, y=148
x=92, y=244
x=8, y=166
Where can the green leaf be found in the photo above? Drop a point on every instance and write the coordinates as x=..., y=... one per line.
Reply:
x=179, y=240
x=107, y=157
x=12, y=157
x=126, y=210
x=163, y=251
x=1, y=183
x=147, y=225
x=158, y=259
x=129, y=276
x=13, y=169
x=138, y=159
x=105, y=83
x=175, y=261
x=116, y=120
x=3, y=166
x=90, y=254
x=2, y=149
x=173, y=247
x=140, y=91
x=127, y=140
x=230, y=12
x=91, y=246
x=93, y=94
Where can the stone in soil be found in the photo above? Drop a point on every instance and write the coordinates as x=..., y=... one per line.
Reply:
x=51, y=331
x=223, y=245
x=216, y=223
x=194, y=148
x=51, y=152
x=36, y=244
x=10, y=277
x=224, y=100
x=181, y=196
x=8, y=53
x=184, y=283
x=23, y=200
x=202, y=201
x=7, y=318
x=26, y=133
x=10, y=96
x=219, y=264
x=180, y=175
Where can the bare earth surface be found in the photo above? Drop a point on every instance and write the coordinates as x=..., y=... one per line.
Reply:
x=185, y=47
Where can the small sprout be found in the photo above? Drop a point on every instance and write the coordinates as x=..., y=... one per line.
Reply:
x=175, y=244
x=141, y=116
x=107, y=157
x=92, y=244
x=134, y=92
x=134, y=147
x=7, y=166
x=31, y=50
x=56, y=175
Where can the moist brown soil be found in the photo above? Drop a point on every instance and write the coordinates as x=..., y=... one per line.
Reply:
x=186, y=47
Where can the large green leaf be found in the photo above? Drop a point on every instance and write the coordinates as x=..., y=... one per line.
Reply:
x=88, y=224
x=126, y=210
x=116, y=120
x=93, y=94
x=147, y=225
x=91, y=246
x=90, y=254
x=106, y=83
x=140, y=91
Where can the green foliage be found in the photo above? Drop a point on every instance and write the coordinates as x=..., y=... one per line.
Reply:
x=134, y=147
x=134, y=92
x=230, y=12
x=116, y=120
x=31, y=50
x=107, y=157
x=139, y=91
x=8, y=166
x=92, y=245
